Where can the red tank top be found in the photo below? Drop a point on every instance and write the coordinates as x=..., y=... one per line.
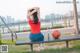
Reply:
x=35, y=28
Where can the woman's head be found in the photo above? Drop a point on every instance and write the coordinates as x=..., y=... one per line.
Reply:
x=35, y=16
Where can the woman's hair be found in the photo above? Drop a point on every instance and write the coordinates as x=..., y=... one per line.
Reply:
x=35, y=17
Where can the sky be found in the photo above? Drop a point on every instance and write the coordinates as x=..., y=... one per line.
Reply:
x=18, y=8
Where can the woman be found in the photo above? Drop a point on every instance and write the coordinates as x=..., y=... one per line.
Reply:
x=33, y=19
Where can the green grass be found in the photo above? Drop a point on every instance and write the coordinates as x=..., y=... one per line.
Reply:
x=18, y=49
x=8, y=42
x=26, y=49
x=63, y=50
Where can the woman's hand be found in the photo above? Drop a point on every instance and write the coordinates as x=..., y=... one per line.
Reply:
x=30, y=13
x=36, y=9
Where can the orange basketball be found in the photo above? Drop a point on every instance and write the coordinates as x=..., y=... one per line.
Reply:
x=56, y=34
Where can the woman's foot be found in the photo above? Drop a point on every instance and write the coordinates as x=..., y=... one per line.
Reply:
x=37, y=49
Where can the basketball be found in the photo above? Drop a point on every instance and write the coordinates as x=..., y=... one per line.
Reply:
x=56, y=34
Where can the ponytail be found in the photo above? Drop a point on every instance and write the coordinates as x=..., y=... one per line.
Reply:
x=35, y=18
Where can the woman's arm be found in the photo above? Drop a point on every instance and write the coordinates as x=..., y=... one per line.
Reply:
x=29, y=14
x=38, y=10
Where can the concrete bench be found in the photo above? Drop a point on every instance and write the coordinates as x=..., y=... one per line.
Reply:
x=63, y=38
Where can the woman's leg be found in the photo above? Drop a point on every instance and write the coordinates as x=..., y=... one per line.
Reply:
x=41, y=46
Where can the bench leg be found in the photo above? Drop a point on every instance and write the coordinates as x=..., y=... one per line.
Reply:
x=67, y=44
x=31, y=47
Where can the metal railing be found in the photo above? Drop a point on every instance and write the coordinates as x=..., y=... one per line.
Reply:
x=12, y=33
